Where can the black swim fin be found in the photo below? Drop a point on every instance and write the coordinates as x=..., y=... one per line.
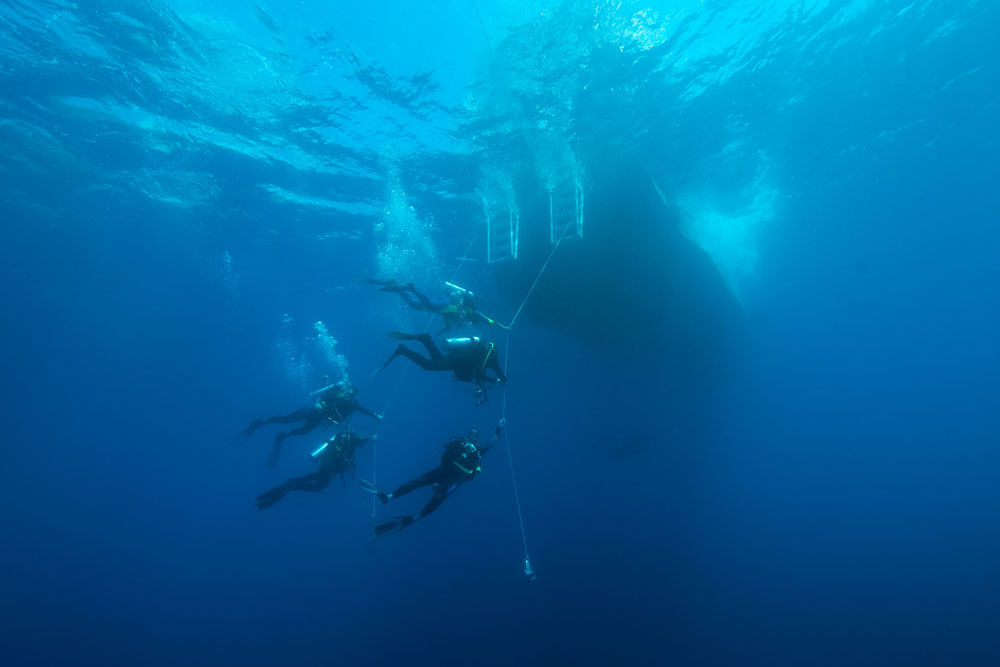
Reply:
x=270, y=497
x=393, y=525
x=389, y=285
x=392, y=357
x=368, y=487
x=272, y=459
x=252, y=426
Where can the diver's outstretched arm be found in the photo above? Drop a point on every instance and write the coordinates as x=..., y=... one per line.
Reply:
x=496, y=436
x=480, y=318
x=365, y=411
x=494, y=365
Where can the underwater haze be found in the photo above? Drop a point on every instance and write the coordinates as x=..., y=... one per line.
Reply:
x=747, y=251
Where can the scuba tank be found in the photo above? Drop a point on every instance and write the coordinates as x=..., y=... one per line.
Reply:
x=463, y=303
x=463, y=343
x=322, y=389
x=343, y=449
x=460, y=291
x=325, y=394
x=319, y=450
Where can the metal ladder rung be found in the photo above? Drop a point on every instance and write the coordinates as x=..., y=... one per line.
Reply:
x=565, y=212
x=503, y=229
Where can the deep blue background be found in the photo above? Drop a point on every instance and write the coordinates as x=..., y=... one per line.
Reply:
x=831, y=499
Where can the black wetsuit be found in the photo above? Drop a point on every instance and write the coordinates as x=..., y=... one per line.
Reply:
x=457, y=310
x=444, y=478
x=459, y=463
x=337, y=458
x=468, y=361
x=332, y=407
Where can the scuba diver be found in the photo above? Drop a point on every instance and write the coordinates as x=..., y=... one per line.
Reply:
x=459, y=463
x=336, y=402
x=335, y=457
x=467, y=358
x=458, y=309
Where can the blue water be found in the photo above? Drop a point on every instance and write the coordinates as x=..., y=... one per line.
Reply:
x=779, y=446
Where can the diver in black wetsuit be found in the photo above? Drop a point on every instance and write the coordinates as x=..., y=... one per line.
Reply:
x=467, y=359
x=333, y=406
x=335, y=457
x=458, y=309
x=459, y=463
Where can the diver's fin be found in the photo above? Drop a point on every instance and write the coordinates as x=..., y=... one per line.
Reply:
x=252, y=426
x=270, y=497
x=389, y=285
x=368, y=487
x=238, y=438
x=392, y=525
x=400, y=349
x=272, y=459
x=382, y=367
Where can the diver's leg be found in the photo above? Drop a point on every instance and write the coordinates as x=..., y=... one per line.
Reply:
x=441, y=492
x=419, y=297
x=408, y=293
x=312, y=482
x=441, y=477
x=398, y=523
x=428, y=478
x=417, y=358
x=434, y=363
x=432, y=349
x=297, y=416
x=312, y=421
x=415, y=299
